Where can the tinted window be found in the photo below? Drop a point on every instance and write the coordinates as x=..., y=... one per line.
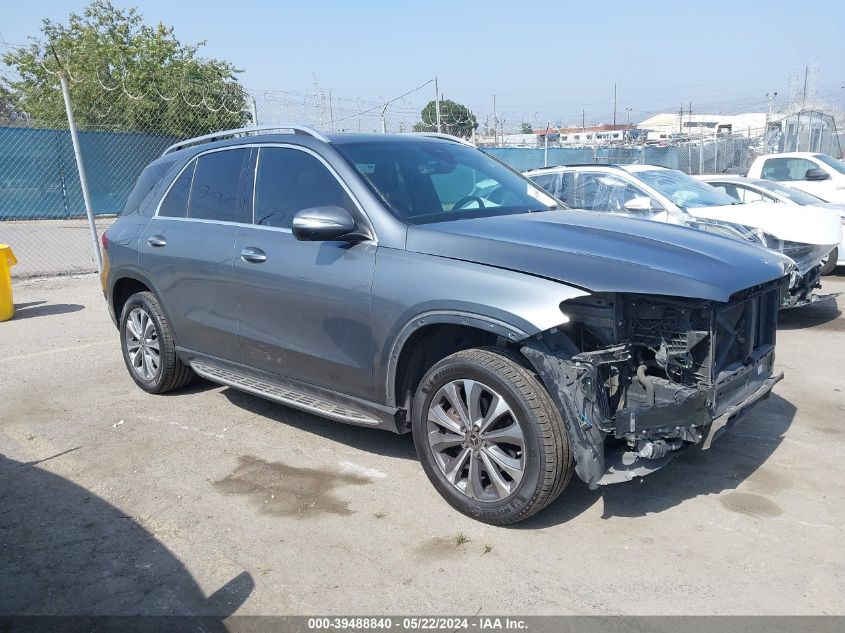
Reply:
x=218, y=186
x=787, y=169
x=175, y=204
x=143, y=190
x=290, y=180
x=436, y=181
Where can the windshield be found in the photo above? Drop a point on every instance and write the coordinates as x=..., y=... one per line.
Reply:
x=830, y=161
x=423, y=181
x=795, y=195
x=684, y=190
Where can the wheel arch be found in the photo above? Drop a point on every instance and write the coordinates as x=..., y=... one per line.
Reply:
x=126, y=282
x=433, y=335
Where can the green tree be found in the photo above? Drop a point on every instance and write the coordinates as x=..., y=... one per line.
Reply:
x=125, y=75
x=455, y=119
x=527, y=128
x=8, y=112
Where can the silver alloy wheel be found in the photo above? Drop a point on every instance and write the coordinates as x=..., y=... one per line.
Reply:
x=476, y=440
x=142, y=344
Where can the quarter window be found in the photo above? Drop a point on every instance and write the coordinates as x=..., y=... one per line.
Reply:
x=290, y=180
x=175, y=203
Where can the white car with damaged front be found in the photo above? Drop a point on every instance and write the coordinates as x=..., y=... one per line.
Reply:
x=770, y=191
x=667, y=195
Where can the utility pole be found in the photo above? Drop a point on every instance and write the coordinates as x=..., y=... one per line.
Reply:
x=583, y=121
x=804, y=95
x=437, y=104
x=614, y=106
x=769, y=97
x=253, y=109
x=681, y=119
x=80, y=166
x=495, y=122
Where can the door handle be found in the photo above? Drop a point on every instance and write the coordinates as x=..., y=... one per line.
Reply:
x=156, y=240
x=253, y=255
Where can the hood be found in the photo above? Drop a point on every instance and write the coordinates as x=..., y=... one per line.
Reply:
x=788, y=222
x=839, y=207
x=605, y=253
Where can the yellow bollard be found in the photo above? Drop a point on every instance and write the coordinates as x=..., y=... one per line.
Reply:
x=7, y=260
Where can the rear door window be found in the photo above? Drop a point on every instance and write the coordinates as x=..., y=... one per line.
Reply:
x=217, y=190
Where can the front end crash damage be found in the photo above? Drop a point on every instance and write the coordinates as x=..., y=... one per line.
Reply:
x=807, y=276
x=638, y=378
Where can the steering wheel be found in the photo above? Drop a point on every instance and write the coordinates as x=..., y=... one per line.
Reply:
x=460, y=203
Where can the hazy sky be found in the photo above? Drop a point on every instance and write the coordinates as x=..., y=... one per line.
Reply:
x=543, y=60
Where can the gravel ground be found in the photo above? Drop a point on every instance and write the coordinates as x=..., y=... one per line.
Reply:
x=209, y=500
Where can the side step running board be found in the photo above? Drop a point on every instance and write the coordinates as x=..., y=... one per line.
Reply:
x=286, y=395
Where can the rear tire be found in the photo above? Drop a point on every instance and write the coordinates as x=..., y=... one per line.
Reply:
x=830, y=263
x=149, y=351
x=516, y=462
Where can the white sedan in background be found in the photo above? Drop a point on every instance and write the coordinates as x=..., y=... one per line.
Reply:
x=667, y=195
x=758, y=190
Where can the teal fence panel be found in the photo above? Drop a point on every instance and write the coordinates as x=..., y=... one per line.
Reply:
x=39, y=180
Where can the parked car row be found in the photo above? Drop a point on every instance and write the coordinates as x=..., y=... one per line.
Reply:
x=415, y=284
x=809, y=236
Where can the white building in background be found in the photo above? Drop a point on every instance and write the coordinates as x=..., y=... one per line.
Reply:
x=667, y=125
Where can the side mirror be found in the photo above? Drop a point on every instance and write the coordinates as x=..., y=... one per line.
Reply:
x=639, y=204
x=324, y=224
x=816, y=174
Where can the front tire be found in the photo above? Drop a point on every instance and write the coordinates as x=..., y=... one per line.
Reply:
x=149, y=351
x=830, y=263
x=489, y=437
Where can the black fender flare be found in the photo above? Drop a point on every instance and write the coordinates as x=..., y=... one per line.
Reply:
x=444, y=317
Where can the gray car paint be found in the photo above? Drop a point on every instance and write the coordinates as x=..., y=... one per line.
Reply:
x=605, y=253
x=508, y=274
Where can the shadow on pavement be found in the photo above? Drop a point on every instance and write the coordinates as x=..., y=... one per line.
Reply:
x=824, y=315
x=41, y=308
x=363, y=438
x=67, y=552
x=734, y=457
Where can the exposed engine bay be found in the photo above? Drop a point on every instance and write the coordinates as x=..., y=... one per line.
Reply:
x=638, y=378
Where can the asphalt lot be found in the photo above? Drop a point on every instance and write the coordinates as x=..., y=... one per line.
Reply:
x=213, y=501
x=52, y=247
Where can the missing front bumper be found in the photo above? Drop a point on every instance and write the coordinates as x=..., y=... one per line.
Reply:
x=718, y=425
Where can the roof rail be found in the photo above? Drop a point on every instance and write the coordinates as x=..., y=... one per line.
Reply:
x=245, y=131
x=446, y=137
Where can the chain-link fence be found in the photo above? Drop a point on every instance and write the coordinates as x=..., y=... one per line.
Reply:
x=124, y=124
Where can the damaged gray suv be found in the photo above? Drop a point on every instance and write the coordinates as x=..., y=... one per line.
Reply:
x=381, y=280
